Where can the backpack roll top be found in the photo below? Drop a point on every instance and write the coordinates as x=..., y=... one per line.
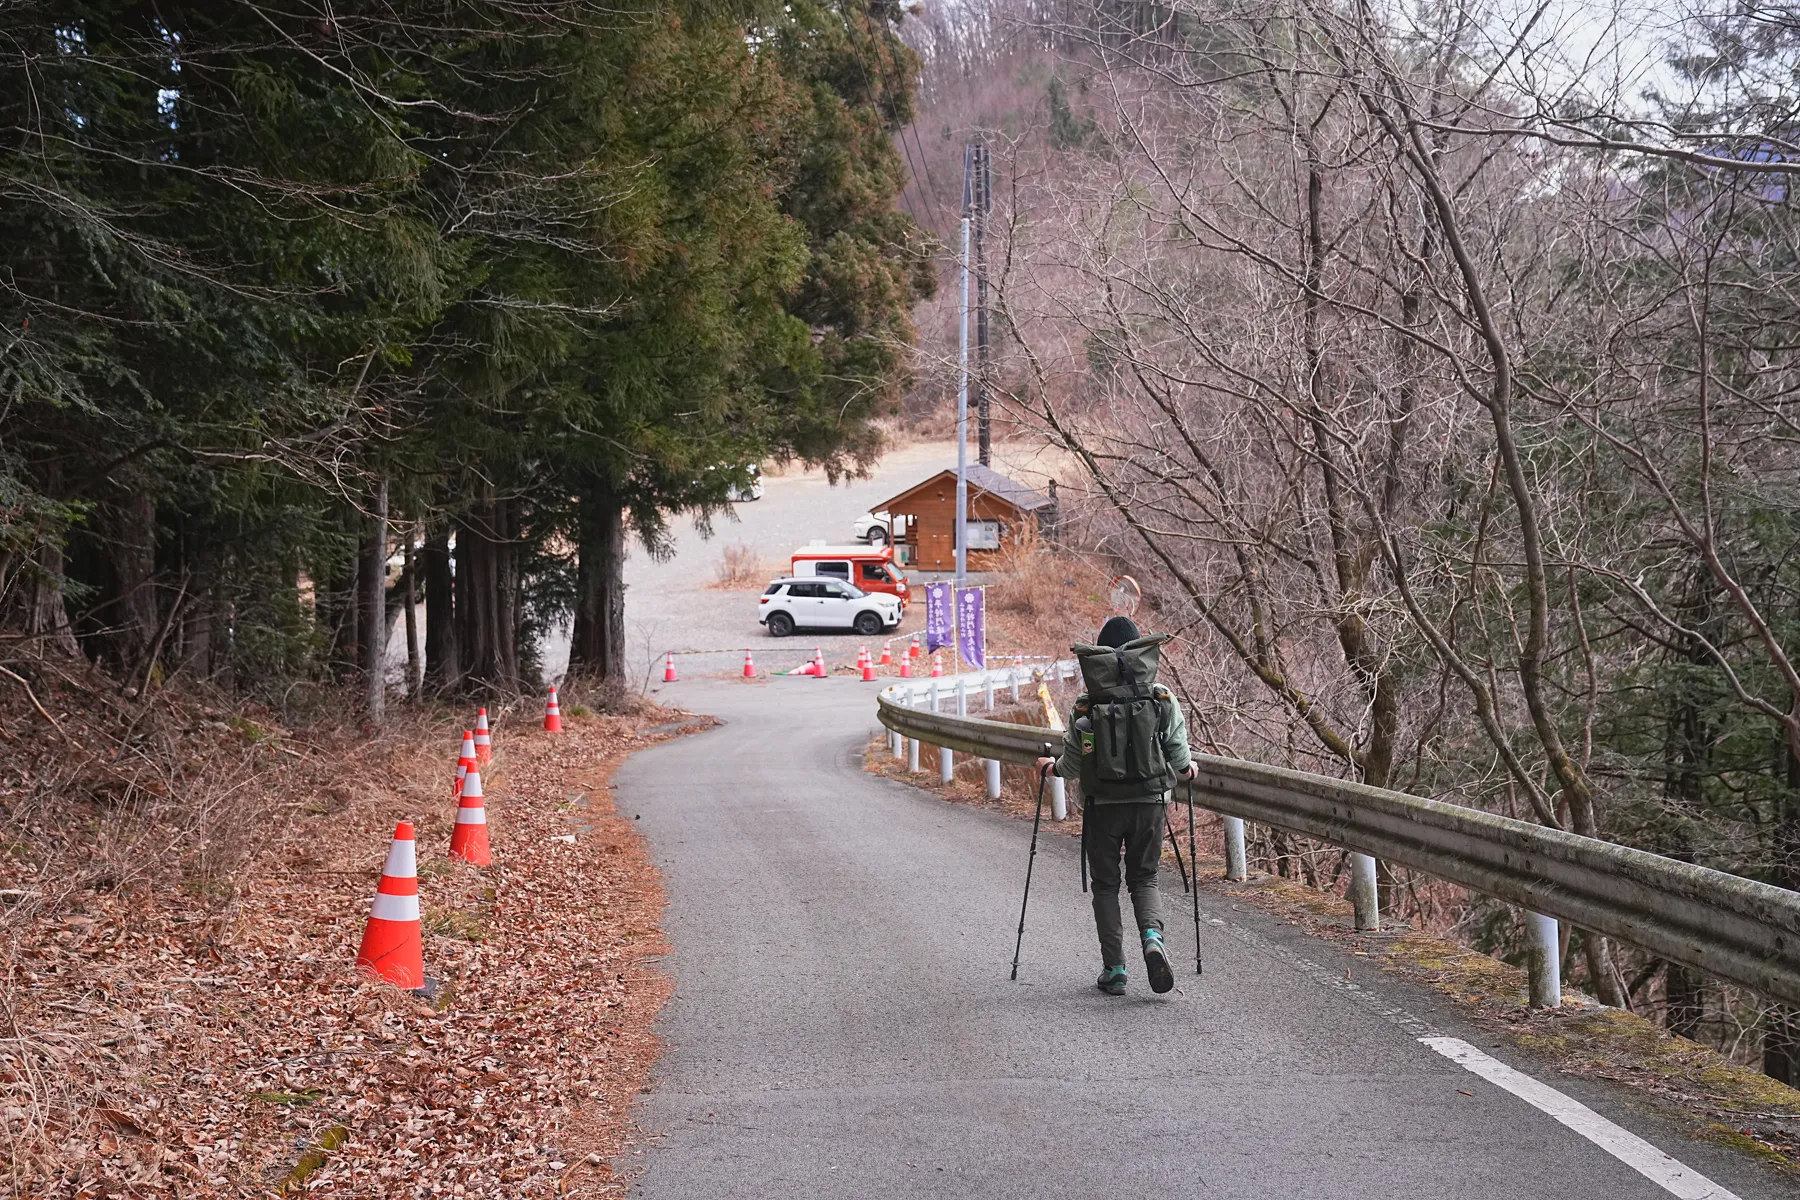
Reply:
x=1122, y=717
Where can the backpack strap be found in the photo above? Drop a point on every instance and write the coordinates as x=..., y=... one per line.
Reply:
x=1128, y=673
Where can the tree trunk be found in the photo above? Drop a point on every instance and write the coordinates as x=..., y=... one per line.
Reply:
x=1685, y=992
x=597, y=643
x=131, y=614
x=340, y=608
x=409, y=575
x=443, y=664
x=486, y=587
x=374, y=606
x=507, y=591
x=46, y=615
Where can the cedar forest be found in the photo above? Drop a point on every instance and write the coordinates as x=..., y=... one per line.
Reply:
x=280, y=285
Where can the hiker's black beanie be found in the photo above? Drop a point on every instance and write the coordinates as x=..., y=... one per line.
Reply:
x=1117, y=631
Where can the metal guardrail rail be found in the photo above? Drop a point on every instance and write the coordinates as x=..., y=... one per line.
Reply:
x=1734, y=928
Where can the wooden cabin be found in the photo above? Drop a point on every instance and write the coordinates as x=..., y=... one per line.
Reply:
x=1000, y=509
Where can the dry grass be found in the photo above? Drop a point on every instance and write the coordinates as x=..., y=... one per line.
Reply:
x=741, y=568
x=182, y=891
x=1045, y=600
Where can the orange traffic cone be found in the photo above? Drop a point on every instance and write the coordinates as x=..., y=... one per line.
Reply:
x=905, y=667
x=887, y=655
x=469, y=841
x=465, y=760
x=552, y=714
x=484, y=742
x=818, y=662
x=868, y=666
x=749, y=664
x=669, y=670
x=937, y=665
x=392, y=948
x=915, y=649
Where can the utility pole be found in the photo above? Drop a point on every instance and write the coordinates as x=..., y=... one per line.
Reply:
x=962, y=386
x=984, y=201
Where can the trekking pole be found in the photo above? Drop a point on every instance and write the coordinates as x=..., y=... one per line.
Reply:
x=1199, y=967
x=1083, y=805
x=1037, y=820
x=1175, y=841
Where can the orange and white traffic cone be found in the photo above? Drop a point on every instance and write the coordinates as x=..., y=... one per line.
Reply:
x=916, y=650
x=484, y=741
x=392, y=946
x=469, y=841
x=905, y=667
x=669, y=670
x=937, y=665
x=818, y=662
x=465, y=760
x=868, y=666
x=887, y=655
x=552, y=714
x=749, y=664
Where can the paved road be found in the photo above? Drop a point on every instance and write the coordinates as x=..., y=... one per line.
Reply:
x=843, y=1025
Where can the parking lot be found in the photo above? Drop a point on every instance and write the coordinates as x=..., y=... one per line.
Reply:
x=676, y=605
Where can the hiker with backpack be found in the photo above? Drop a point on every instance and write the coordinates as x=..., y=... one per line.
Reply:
x=1127, y=745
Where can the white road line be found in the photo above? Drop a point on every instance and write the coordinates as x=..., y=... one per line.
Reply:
x=1664, y=1170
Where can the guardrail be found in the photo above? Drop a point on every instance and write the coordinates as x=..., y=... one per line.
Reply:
x=956, y=690
x=1738, y=929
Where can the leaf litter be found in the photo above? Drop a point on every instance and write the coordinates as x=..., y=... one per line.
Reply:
x=196, y=1029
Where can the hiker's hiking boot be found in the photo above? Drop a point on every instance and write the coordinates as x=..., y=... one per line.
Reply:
x=1112, y=981
x=1156, y=962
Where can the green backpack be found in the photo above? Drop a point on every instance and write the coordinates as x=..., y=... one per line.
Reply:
x=1120, y=718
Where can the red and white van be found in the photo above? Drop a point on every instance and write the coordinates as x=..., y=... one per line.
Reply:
x=871, y=568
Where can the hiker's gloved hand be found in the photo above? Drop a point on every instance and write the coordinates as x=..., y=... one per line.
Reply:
x=1045, y=764
x=1191, y=770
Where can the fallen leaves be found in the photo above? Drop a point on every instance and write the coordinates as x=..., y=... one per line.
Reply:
x=204, y=1035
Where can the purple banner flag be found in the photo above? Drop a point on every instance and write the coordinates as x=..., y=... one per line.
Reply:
x=971, y=626
x=940, y=621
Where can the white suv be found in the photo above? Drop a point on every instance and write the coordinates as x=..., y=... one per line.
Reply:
x=873, y=527
x=791, y=604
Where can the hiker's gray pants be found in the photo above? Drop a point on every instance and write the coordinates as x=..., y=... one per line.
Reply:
x=1136, y=830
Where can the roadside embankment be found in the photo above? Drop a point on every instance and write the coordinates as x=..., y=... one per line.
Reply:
x=185, y=889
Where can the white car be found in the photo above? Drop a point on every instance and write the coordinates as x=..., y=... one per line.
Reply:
x=817, y=603
x=873, y=527
x=751, y=489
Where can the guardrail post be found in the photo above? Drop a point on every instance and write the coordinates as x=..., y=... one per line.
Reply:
x=989, y=680
x=934, y=695
x=1237, y=869
x=1059, y=798
x=962, y=697
x=912, y=744
x=1363, y=894
x=993, y=778
x=1543, y=960
x=946, y=768
x=1015, y=683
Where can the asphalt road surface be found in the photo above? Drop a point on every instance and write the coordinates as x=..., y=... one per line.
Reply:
x=843, y=1024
